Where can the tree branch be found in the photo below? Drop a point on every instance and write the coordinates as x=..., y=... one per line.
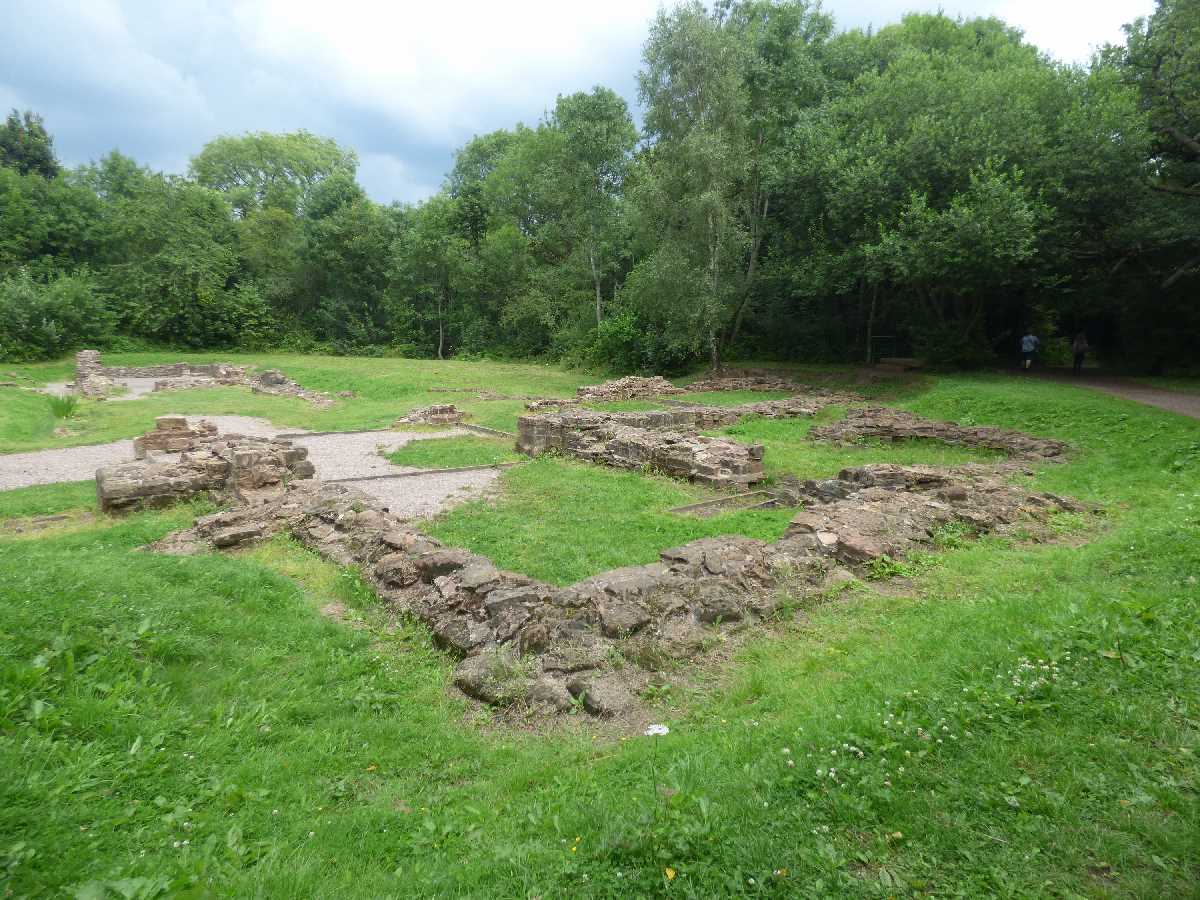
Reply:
x=1181, y=271
x=1190, y=143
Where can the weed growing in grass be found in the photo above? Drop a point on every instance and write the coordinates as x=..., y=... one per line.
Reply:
x=63, y=406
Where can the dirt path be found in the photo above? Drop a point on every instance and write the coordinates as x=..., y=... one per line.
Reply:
x=1172, y=401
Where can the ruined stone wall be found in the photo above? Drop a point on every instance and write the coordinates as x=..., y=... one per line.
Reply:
x=885, y=424
x=567, y=638
x=438, y=414
x=662, y=440
x=246, y=469
x=632, y=387
x=172, y=434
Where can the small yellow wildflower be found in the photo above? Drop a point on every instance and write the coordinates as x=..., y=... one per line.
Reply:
x=670, y=873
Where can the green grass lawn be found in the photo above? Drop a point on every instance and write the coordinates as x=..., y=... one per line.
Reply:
x=562, y=520
x=451, y=452
x=386, y=389
x=1027, y=718
x=789, y=451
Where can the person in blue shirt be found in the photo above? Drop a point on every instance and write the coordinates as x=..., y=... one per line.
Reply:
x=1029, y=345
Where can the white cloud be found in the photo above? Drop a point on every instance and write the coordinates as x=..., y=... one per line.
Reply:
x=403, y=83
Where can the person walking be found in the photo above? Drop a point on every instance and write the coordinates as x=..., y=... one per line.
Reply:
x=1080, y=348
x=1029, y=345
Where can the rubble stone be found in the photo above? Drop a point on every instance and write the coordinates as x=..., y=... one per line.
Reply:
x=438, y=414
x=897, y=425
x=242, y=468
x=631, y=387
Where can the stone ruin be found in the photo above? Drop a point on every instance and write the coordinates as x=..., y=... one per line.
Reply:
x=543, y=404
x=275, y=383
x=96, y=380
x=664, y=440
x=438, y=414
x=897, y=425
x=173, y=434
x=533, y=644
x=745, y=380
x=631, y=387
x=229, y=467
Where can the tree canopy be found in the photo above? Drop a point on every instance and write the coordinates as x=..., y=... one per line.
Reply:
x=934, y=187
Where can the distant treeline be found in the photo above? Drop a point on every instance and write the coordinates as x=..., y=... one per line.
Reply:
x=932, y=188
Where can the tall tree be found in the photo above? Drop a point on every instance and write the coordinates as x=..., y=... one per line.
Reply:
x=261, y=170
x=598, y=137
x=26, y=146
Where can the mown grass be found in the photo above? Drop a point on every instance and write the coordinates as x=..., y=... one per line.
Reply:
x=385, y=390
x=789, y=450
x=149, y=701
x=562, y=520
x=451, y=452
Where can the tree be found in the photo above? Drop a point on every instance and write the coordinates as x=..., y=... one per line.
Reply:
x=26, y=146
x=720, y=92
x=598, y=138
x=431, y=264
x=261, y=170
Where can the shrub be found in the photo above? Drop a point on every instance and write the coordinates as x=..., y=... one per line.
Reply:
x=63, y=407
x=43, y=320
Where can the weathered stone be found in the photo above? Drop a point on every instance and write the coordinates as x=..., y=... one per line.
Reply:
x=632, y=387
x=620, y=617
x=236, y=535
x=442, y=561
x=550, y=693
x=438, y=414
x=601, y=696
x=715, y=602
x=396, y=569
x=492, y=678
x=897, y=425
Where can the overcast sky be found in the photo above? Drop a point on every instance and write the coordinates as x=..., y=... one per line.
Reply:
x=404, y=84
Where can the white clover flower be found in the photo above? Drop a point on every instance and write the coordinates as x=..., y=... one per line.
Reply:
x=656, y=731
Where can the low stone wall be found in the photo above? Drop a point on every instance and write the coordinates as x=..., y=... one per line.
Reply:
x=632, y=387
x=524, y=641
x=897, y=425
x=246, y=469
x=438, y=414
x=660, y=439
x=93, y=379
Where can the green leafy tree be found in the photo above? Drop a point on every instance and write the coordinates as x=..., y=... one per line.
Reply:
x=26, y=146
x=261, y=170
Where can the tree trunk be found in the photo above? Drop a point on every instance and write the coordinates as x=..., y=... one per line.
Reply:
x=595, y=281
x=871, y=323
x=441, y=327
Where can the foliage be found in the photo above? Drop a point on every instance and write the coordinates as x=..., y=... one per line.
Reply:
x=26, y=146
x=930, y=188
x=42, y=320
x=63, y=406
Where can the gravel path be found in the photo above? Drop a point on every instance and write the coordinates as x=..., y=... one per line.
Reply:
x=422, y=496
x=356, y=455
x=346, y=456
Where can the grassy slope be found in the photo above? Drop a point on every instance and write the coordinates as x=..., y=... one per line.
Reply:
x=146, y=701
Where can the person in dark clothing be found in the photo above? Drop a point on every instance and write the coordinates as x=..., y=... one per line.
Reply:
x=1080, y=348
x=1029, y=346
